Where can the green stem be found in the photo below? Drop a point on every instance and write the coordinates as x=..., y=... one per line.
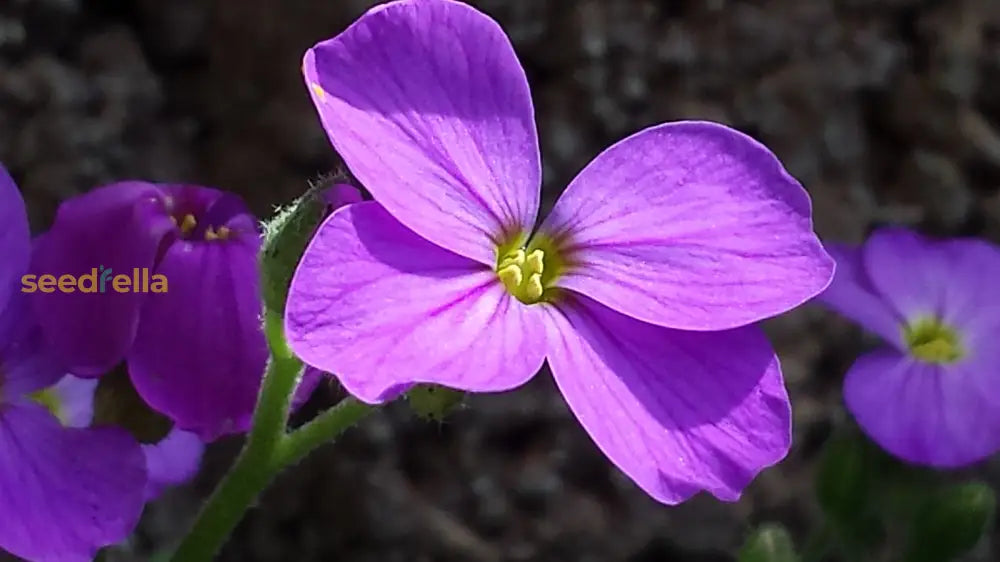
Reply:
x=268, y=450
x=253, y=470
x=322, y=429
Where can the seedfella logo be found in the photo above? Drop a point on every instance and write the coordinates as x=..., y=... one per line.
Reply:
x=99, y=280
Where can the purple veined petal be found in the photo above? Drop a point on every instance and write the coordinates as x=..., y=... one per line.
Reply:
x=852, y=295
x=429, y=107
x=378, y=306
x=118, y=227
x=15, y=240
x=26, y=362
x=942, y=416
x=342, y=194
x=171, y=462
x=946, y=279
x=678, y=412
x=64, y=492
x=908, y=270
x=689, y=225
x=971, y=273
x=199, y=351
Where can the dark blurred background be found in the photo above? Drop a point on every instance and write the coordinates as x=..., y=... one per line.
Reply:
x=886, y=110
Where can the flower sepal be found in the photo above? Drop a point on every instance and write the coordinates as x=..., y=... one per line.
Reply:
x=289, y=231
x=434, y=403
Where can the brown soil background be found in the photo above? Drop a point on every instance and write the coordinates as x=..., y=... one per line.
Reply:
x=886, y=110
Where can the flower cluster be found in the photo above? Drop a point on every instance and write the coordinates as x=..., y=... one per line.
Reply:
x=193, y=354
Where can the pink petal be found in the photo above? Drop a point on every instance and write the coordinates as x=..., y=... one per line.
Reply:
x=942, y=416
x=429, y=107
x=65, y=493
x=692, y=226
x=380, y=307
x=851, y=294
x=678, y=412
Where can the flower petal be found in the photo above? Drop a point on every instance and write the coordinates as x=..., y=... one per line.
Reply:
x=692, y=226
x=429, y=107
x=311, y=377
x=15, y=240
x=851, y=294
x=117, y=227
x=171, y=462
x=73, y=399
x=199, y=351
x=341, y=194
x=942, y=416
x=380, y=307
x=26, y=363
x=64, y=493
x=946, y=279
x=678, y=412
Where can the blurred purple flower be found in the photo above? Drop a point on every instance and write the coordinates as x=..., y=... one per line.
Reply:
x=194, y=353
x=638, y=288
x=64, y=492
x=930, y=397
x=172, y=461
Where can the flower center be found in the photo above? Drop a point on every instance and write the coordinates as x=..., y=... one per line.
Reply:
x=521, y=274
x=932, y=341
x=529, y=272
x=188, y=226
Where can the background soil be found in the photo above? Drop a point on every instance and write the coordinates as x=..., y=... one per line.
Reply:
x=886, y=110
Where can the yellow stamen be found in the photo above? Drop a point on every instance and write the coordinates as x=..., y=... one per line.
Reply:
x=932, y=341
x=221, y=234
x=188, y=223
x=523, y=274
x=533, y=288
x=535, y=263
x=511, y=276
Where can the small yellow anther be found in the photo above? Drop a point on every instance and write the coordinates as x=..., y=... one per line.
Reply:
x=320, y=93
x=535, y=262
x=187, y=223
x=221, y=234
x=511, y=276
x=533, y=288
x=173, y=219
x=517, y=258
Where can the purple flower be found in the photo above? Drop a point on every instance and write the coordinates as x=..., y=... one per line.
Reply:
x=64, y=492
x=637, y=288
x=172, y=461
x=930, y=397
x=195, y=352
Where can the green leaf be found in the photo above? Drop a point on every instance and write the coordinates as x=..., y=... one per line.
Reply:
x=950, y=522
x=846, y=485
x=771, y=542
